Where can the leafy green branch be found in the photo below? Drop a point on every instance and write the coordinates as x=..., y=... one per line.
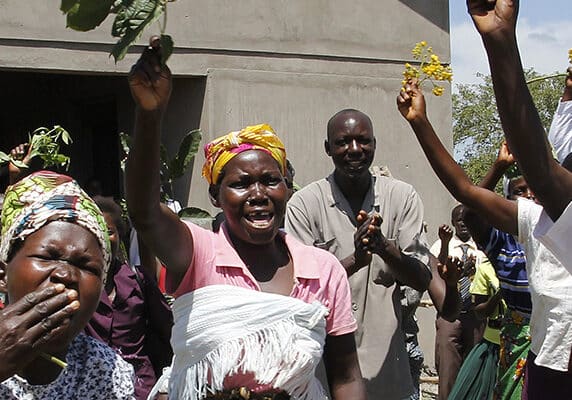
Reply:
x=172, y=168
x=132, y=17
x=43, y=143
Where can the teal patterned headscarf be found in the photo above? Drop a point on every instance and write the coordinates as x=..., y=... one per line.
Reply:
x=44, y=197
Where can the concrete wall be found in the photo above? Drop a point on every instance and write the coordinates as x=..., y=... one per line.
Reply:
x=291, y=63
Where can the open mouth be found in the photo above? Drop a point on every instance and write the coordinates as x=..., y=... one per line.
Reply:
x=260, y=219
x=354, y=165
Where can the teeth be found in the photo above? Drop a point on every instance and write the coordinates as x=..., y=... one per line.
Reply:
x=260, y=220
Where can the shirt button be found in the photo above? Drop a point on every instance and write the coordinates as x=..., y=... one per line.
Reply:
x=354, y=306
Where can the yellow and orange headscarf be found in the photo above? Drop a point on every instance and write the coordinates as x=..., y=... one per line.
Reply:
x=223, y=149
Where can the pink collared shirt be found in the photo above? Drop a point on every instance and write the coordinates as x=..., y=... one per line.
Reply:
x=318, y=275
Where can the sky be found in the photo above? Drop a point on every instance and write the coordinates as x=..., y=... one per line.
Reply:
x=544, y=32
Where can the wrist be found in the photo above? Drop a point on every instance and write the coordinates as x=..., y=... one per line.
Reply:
x=418, y=121
x=361, y=259
x=501, y=165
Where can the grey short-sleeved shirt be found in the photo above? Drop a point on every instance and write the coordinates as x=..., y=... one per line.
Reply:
x=320, y=215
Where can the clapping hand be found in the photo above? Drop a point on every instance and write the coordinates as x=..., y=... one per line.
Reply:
x=445, y=233
x=451, y=271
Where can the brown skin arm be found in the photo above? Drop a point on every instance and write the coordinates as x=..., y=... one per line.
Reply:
x=443, y=290
x=342, y=368
x=445, y=234
x=485, y=306
x=551, y=183
x=479, y=228
x=150, y=86
x=504, y=160
x=149, y=262
x=499, y=212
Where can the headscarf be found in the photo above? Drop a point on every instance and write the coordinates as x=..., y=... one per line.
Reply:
x=44, y=197
x=223, y=149
x=512, y=173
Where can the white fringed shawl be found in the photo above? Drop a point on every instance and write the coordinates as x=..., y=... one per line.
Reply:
x=222, y=330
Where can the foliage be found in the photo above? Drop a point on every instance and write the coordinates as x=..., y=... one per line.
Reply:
x=44, y=144
x=477, y=131
x=430, y=68
x=132, y=17
x=171, y=168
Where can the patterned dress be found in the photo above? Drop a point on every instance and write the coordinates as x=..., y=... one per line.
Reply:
x=94, y=372
x=508, y=258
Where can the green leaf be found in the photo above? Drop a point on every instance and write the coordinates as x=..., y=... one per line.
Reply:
x=167, y=46
x=130, y=23
x=187, y=150
x=66, y=138
x=18, y=163
x=67, y=5
x=194, y=212
x=85, y=15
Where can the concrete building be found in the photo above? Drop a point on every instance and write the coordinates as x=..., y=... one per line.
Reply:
x=290, y=63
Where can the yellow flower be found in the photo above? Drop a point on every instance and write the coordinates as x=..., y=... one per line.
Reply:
x=438, y=90
x=570, y=56
x=430, y=68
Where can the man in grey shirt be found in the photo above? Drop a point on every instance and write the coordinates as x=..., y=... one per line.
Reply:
x=374, y=225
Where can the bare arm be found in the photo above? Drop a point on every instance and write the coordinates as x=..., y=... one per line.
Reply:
x=485, y=306
x=150, y=86
x=342, y=368
x=499, y=212
x=443, y=289
x=149, y=262
x=445, y=233
x=21, y=153
x=503, y=161
x=551, y=183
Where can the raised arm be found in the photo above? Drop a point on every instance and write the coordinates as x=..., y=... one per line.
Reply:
x=496, y=23
x=503, y=161
x=159, y=227
x=443, y=287
x=499, y=212
x=22, y=153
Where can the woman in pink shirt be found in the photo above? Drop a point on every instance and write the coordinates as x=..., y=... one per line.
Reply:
x=255, y=310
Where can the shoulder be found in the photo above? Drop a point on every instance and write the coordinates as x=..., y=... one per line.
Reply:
x=198, y=232
x=528, y=214
x=312, y=192
x=390, y=183
x=313, y=259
